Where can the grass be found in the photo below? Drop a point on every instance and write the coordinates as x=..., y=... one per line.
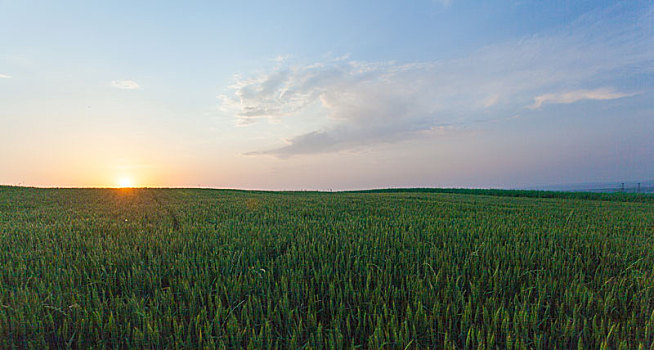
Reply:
x=173, y=268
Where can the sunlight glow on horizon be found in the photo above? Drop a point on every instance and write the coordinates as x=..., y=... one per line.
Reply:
x=125, y=182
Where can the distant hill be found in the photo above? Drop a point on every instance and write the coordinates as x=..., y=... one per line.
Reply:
x=569, y=194
x=609, y=187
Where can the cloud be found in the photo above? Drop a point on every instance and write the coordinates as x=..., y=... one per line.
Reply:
x=369, y=103
x=444, y=3
x=491, y=100
x=125, y=84
x=578, y=95
x=4, y=76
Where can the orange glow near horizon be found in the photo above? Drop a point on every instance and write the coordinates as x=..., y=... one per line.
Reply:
x=125, y=182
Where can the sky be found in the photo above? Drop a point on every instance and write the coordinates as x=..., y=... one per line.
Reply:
x=308, y=95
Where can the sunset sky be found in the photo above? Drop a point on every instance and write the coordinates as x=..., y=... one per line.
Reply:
x=326, y=95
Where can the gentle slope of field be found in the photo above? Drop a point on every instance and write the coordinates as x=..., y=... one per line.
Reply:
x=172, y=268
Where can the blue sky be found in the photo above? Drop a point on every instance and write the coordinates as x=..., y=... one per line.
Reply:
x=317, y=95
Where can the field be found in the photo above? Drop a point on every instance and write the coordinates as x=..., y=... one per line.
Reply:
x=186, y=268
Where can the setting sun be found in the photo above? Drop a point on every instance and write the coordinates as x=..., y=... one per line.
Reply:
x=125, y=182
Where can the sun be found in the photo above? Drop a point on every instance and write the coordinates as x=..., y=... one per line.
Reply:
x=125, y=182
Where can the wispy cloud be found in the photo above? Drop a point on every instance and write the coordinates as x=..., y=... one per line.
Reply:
x=4, y=76
x=578, y=95
x=376, y=102
x=125, y=84
x=445, y=3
